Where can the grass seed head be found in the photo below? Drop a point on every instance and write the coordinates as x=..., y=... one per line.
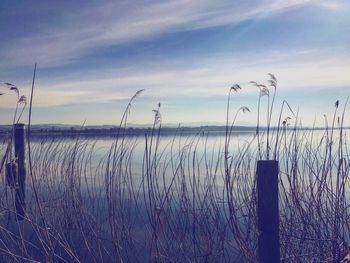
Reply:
x=235, y=87
x=22, y=100
x=264, y=91
x=273, y=77
x=15, y=89
x=336, y=104
x=157, y=116
x=245, y=109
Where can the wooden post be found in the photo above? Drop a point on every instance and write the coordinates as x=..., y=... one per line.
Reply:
x=268, y=214
x=20, y=158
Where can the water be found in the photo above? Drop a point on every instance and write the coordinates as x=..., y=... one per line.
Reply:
x=203, y=152
x=205, y=148
x=179, y=192
x=181, y=159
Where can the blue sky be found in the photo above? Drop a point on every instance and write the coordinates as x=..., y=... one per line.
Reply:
x=94, y=55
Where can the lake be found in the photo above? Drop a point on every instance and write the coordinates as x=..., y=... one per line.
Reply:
x=180, y=196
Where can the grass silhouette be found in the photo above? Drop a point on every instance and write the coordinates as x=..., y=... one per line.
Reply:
x=187, y=204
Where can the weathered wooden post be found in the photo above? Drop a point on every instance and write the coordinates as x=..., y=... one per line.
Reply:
x=268, y=214
x=21, y=176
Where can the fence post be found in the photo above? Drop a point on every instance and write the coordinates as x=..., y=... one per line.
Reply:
x=268, y=214
x=20, y=158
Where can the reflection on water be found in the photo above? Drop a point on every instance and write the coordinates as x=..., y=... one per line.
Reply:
x=187, y=155
x=207, y=148
x=184, y=194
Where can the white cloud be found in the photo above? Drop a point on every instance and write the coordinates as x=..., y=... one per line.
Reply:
x=114, y=23
x=205, y=78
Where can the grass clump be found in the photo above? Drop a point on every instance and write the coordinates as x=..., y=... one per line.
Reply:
x=187, y=201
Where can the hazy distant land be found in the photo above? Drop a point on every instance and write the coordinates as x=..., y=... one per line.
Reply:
x=112, y=130
x=133, y=130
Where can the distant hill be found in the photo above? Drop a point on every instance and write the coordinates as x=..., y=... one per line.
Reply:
x=132, y=130
x=112, y=130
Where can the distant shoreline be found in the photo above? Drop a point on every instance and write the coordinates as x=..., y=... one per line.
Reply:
x=128, y=131
x=113, y=131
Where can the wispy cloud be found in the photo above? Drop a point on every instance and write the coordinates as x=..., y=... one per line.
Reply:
x=113, y=23
x=176, y=50
x=209, y=77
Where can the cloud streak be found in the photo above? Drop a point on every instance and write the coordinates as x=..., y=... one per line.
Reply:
x=210, y=77
x=94, y=55
x=115, y=23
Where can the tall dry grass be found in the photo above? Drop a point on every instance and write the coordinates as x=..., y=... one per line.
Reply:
x=184, y=204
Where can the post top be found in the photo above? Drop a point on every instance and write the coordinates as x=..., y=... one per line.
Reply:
x=267, y=162
x=19, y=126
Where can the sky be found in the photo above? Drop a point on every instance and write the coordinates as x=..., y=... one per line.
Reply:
x=92, y=56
